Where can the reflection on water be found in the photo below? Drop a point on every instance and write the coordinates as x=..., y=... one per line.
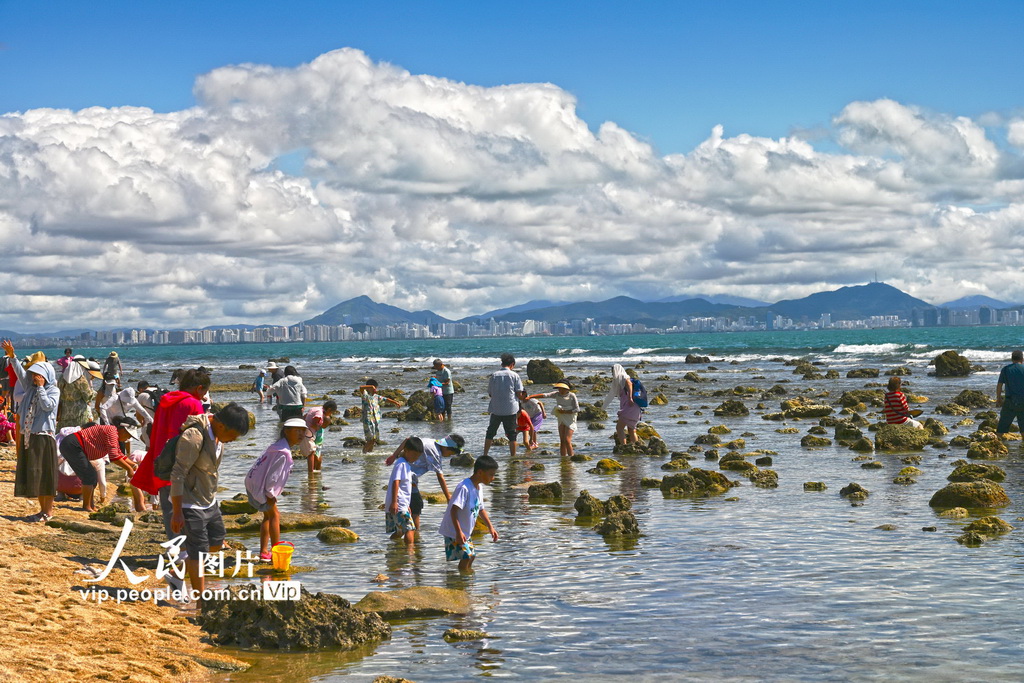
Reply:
x=778, y=584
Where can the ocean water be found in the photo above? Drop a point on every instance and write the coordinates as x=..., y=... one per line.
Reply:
x=777, y=584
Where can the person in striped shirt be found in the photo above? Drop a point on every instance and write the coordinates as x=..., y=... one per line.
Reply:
x=896, y=410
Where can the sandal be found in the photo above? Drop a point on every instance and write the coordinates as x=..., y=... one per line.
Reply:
x=38, y=517
x=266, y=557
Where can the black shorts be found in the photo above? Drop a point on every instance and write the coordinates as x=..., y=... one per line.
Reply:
x=506, y=421
x=448, y=400
x=415, y=502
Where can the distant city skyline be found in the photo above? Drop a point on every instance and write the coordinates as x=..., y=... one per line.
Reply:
x=178, y=166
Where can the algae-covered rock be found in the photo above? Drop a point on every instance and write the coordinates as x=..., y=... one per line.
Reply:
x=719, y=429
x=696, y=482
x=290, y=521
x=732, y=409
x=900, y=371
x=874, y=397
x=960, y=441
x=765, y=479
x=910, y=471
x=955, y=513
x=622, y=523
x=764, y=461
x=650, y=483
x=811, y=441
x=693, y=377
x=976, y=494
x=421, y=601
x=854, y=491
x=693, y=359
x=463, y=459
x=814, y=486
x=239, y=505
x=540, y=492
x=989, y=526
x=110, y=512
x=803, y=407
x=788, y=430
x=971, y=539
x=973, y=399
x=901, y=437
x=954, y=409
x=846, y=431
x=580, y=457
x=904, y=480
x=707, y=439
x=607, y=466
x=987, y=449
x=587, y=505
x=737, y=466
x=975, y=471
x=676, y=464
x=872, y=465
x=544, y=371
x=435, y=497
x=951, y=364
x=591, y=412
x=312, y=622
x=862, y=373
x=654, y=446
x=337, y=534
x=934, y=427
x=460, y=634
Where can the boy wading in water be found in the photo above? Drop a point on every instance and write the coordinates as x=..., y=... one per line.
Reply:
x=371, y=414
x=463, y=509
x=398, y=515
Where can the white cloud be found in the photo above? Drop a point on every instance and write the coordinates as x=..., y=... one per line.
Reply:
x=428, y=193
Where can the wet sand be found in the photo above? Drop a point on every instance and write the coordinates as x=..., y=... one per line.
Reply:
x=51, y=633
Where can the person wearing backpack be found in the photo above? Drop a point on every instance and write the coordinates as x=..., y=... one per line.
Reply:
x=171, y=412
x=194, y=477
x=630, y=394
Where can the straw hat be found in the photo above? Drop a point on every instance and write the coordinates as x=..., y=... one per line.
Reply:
x=560, y=385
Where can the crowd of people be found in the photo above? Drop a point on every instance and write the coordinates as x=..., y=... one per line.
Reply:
x=65, y=432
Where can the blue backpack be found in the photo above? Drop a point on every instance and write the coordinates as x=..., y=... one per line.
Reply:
x=639, y=393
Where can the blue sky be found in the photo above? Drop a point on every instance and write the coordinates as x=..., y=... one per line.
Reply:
x=667, y=71
x=171, y=164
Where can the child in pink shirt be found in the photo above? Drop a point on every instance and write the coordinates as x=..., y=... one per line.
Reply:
x=268, y=477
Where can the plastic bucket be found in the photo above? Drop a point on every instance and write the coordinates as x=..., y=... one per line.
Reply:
x=281, y=555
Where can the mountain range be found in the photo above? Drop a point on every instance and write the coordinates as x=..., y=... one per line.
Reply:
x=847, y=303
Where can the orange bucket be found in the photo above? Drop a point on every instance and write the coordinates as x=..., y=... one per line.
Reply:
x=281, y=555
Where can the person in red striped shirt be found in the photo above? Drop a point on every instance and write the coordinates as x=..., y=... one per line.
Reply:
x=896, y=410
x=94, y=443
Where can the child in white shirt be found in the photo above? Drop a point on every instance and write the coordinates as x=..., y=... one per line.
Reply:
x=463, y=508
x=398, y=517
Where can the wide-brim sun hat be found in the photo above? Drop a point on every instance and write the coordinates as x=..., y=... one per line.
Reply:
x=447, y=442
x=295, y=422
x=271, y=365
x=560, y=385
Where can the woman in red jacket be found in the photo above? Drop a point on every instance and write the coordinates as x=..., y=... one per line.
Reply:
x=174, y=408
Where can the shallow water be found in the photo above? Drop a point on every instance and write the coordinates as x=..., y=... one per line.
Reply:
x=778, y=584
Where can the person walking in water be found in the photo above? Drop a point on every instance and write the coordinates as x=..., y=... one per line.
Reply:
x=504, y=388
x=1011, y=405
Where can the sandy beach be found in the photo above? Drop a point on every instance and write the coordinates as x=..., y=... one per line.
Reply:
x=52, y=633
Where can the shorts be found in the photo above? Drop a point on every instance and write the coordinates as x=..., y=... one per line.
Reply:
x=566, y=419
x=537, y=421
x=203, y=529
x=288, y=412
x=260, y=507
x=400, y=522
x=523, y=423
x=371, y=430
x=455, y=553
x=508, y=422
x=1013, y=409
x=416, y=502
